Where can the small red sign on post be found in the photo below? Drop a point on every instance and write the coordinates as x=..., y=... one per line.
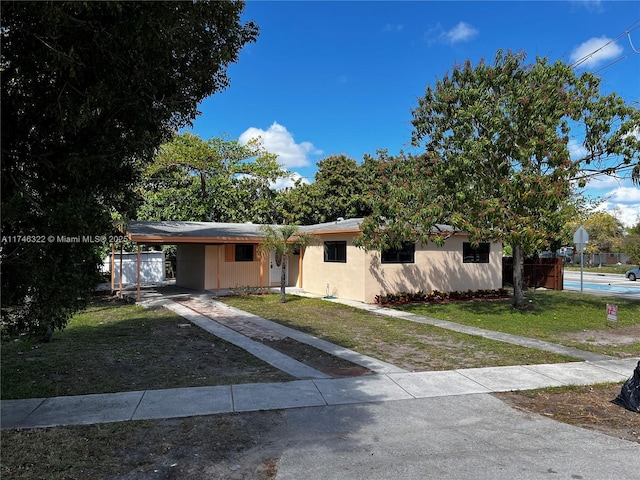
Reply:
x=612, y=312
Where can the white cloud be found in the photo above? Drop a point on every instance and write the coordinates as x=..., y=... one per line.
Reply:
x=576, y=150
x=628, y=214
x=626, y=195
x=277, y=139
x=281, y=183
x=589, y=5
x=462, y=32
x=604, y=182
x=393, y=27
x=623, y=203
x=595, y=51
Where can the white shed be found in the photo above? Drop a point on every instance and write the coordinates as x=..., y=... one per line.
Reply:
x=152, y=267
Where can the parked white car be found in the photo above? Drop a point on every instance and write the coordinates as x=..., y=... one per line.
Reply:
x=633, y=274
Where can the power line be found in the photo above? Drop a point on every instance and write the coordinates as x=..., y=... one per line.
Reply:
x=626, y=32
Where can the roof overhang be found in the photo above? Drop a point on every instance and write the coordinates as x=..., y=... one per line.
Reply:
x=179, y=232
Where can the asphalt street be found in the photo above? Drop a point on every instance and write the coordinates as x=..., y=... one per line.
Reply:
x=602, y=284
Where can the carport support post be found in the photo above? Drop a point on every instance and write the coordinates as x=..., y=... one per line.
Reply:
x=113, y=267
x=121, y=251
x=300, y=267
x=138, y=292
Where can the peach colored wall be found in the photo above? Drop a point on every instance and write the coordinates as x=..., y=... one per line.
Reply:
x=240, y=274
x=363, y=276
x=212, y=259
x=435, y=268
x=346, y=280
x=204, y=267
x=293, y=270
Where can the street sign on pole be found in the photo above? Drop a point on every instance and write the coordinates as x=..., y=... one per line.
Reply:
x=580, y=239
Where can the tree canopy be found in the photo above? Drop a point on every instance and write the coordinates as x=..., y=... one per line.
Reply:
x=339, y=190
x=89, y=92
x=496, y=160
x=630, y=244
x=605, y=232
x=210, y=180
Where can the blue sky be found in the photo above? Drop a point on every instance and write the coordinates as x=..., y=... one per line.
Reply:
x=331, y=77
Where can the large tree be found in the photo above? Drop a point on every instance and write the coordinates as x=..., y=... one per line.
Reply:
x=631, y=242
x=497, y=162
x=339, y=190
x=210, y=180
x=605, y=232
x=89, y=92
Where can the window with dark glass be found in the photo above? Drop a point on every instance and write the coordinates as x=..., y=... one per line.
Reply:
x=335, y=251
x=244, y=253
x=471, y=254
x=406, y=254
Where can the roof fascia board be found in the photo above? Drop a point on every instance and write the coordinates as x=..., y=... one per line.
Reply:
x=175, y=240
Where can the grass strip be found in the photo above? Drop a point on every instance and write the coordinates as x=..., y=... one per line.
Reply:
x=549, y=315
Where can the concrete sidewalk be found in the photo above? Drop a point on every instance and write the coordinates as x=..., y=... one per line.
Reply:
x=185, y=402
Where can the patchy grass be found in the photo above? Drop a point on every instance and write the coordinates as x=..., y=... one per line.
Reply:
x=583, y=406
x=114, y=346
x=567, y=318
x=226, y=446
x=404, y=343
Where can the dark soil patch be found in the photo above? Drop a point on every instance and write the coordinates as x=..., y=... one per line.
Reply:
x=315, y=358
x=587, y=407
x=303, y=353
x=229, y=447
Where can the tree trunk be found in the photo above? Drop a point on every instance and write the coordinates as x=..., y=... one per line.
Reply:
x=518, y=276
x=283, y=280
x=203, y=185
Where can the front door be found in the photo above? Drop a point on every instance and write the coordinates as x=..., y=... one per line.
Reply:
x=275, y=269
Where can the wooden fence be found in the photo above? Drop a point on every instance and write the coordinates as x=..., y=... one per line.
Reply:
x=541, y=272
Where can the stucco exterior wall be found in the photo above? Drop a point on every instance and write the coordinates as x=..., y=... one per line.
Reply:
x=363, y=276
x=435, y=268
x=293, y=273
x=346, y=280
x=211, y=267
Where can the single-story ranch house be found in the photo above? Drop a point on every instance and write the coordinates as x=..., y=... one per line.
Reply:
x=218, y=256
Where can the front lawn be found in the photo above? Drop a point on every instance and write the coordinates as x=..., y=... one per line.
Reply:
x=568, y=318
x=407, y=344
x=114, y=346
